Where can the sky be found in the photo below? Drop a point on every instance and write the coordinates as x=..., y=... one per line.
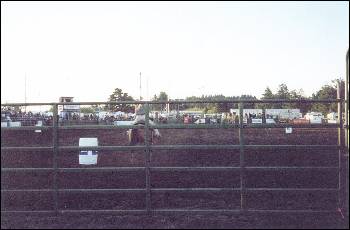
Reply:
x=87, y=49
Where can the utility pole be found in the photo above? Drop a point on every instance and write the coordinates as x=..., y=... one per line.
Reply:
x=140, y=87
x=147, y=92
x=25, y=91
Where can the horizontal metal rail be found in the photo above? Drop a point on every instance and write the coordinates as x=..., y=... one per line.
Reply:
x=155, y=211
x=216, y=147
x=122, y=211
x=167, y=168
x=28, y=211
x=170, y=190
x=171, y=147
x=294, y=189
x=101, y=169
x=27, y=149
x=291, y=168
x=306, y=126
x=102, y=127
x=238, y=189
x=223, y=126
x=178, y=126
x=103, y=190
x=27, y=128
x=193, y=168
x=76, y=169
x=183, y=102
x=239, y=210
x=235, y=168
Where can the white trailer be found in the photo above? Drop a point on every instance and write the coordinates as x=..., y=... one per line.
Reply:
x=284, y=113
x=247, y=111
x=272, y=113
x=314, y=117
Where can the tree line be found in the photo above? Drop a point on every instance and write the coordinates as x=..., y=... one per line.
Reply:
x=328, y=91
x=283, y=92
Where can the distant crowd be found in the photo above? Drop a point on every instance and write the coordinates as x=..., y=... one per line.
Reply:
x=94, y=117
x=30, y=118
x=26, y=118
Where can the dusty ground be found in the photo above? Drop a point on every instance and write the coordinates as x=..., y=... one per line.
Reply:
x=188, y=200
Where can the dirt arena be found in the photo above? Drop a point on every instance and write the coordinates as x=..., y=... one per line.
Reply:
x=320, y=200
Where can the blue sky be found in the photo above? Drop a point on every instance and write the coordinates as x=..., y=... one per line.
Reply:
x=85, y=50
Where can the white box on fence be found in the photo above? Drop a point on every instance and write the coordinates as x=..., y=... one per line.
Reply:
x=289, y=129
x=119, y=123
x=88, y=157
x=3, y=124
x=40, y=123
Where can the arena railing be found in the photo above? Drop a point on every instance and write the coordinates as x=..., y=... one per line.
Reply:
x=148, y=147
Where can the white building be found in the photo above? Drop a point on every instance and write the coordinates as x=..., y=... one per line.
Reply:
x=67, y=111
x=314, y=117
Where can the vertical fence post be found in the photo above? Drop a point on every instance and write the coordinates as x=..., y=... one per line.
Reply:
x=55, y=153
x=241, y=158
x=340, y=144
x=263, y=115
x=147, y=160
x=346, y=105
x=346, y=135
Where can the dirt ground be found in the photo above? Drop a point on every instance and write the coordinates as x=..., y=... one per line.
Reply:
x=175, y=179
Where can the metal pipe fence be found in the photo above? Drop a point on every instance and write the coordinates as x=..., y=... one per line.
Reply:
x=148, y=168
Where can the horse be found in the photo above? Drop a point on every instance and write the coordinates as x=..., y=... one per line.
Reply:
x=137, y=136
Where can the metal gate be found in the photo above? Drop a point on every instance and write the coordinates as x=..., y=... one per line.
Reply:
x=341, y=149
x=243, y=189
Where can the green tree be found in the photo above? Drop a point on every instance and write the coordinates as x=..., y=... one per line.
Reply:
x=299, y=95
x=266, y=95
x=155, y=106
x=249, y=105
x=220, y=107
x=282, y=93
x=328, y=92
x=163, y=96
x=118, y=95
